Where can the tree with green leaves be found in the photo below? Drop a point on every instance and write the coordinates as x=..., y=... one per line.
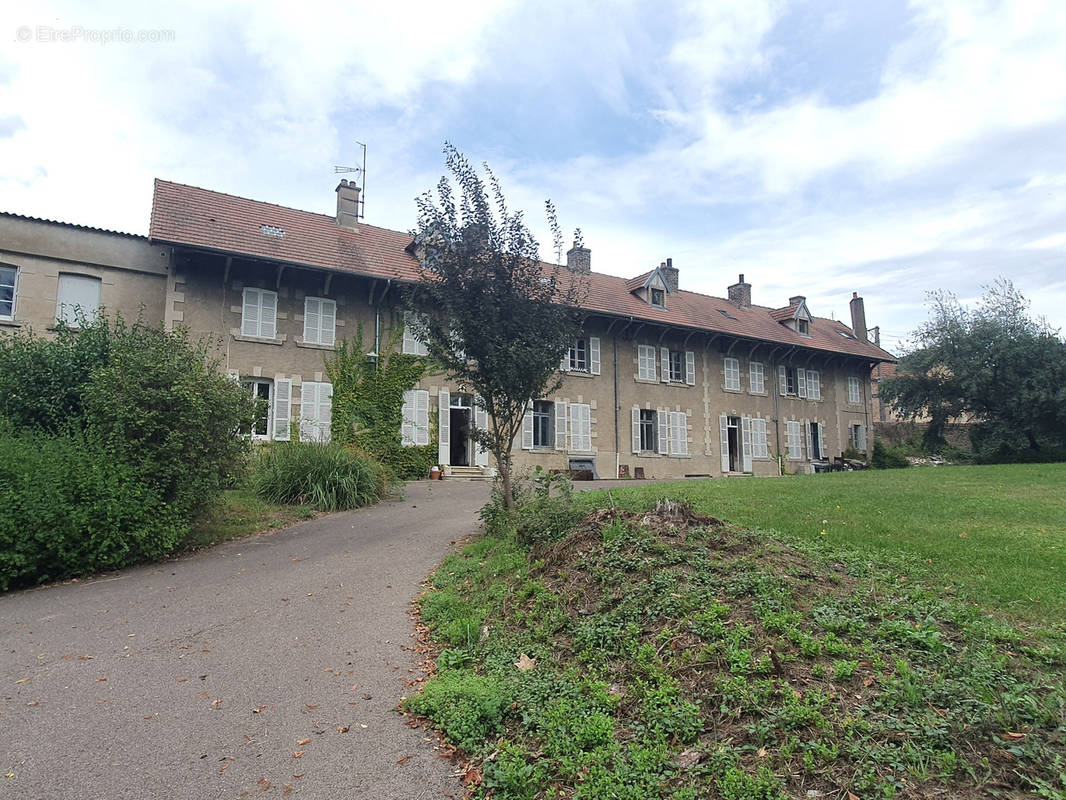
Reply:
x=493, y=316
x=994, y=364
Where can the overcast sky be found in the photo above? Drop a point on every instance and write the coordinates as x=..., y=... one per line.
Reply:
x=819, y=148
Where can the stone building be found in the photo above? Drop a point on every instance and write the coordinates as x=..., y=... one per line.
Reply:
x=663, y=382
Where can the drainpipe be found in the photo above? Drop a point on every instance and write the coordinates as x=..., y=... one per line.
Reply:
x=617, y=455
x=377, y=320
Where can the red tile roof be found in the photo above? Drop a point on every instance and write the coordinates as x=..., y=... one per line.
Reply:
x=194, y=217
x=781, y=314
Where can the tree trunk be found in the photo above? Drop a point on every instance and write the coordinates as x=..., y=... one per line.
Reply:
x=505, y=479
x=1033, y=444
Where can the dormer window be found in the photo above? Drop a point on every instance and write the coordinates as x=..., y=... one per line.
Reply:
x=804, y=327
x=658, y=298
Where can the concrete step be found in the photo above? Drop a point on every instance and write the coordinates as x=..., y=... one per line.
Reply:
x=467, y=474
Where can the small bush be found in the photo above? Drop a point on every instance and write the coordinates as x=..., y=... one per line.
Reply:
x=469, y=708
x=886, y=458
x=67, y=507
x=329, y=477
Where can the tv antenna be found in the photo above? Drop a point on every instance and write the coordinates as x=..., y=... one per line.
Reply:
x=361, y=172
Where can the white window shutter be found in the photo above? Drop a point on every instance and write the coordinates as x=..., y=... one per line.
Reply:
x=308, y=406
x=312, y=307
x=814, y=384
x=268, y=314
x=407, y=419
x=410, y=343
x=636, y=429
x=862, y=437
x=481, y=422
x=782, y=380
x=662, y=423
x=527, y=427
x=580, y=427
x=821, y=440
x=421, y=417
x=810, y=442
x=564, y=362
x=444, y=439
x=250, y=313
x=325, y=411
x=562, y=417
x=745, y=438
x=664, y=363
x=690, y=368
x=801, y=382
x=594, y=355
x=328, y=322
x=723, y=430
x=679, y=433
x=282, y=408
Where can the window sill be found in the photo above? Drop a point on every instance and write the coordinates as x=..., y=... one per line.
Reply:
x=313, y=346
x=757, y=394
x=651, y=381
x=577, y=373
x=680, y=384
x=732, y=391
x=279, y=341
x=10, y=323
x=647, y=454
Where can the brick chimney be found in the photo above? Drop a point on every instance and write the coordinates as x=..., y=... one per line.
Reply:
x=670, y=274
x=348, y=205
x=740, y=293
x=795, y=301
x=858, y=318
x=579, y=258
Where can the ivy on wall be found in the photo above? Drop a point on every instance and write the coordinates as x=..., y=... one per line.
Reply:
x=368, y=404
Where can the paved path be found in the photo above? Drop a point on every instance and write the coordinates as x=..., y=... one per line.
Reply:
x=203, y=677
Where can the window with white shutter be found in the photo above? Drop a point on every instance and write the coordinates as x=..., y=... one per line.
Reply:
x=664, y=364
x=858, y=437
x=320, y=321
x=662, y=430
x=854, y=390
x=732, y=373
x=723, y=430
x=316, y=401
x=543, y=434
x=759, y=447
x=594, y=355
x=562, y=417
x=745, y=440
x=259, y=313
x=414, y=430
x=678, y=433
x=282, y=408
x=756, y=377
x=412, y=345
x=645, y=362
x=634, y=419
x=8, y=290
x=690, y=368
x=814, y=385
x=580, y=427
x=78, y=298
x=444, y=428
x=794, y=440
x=527, y=428
x=801, y=382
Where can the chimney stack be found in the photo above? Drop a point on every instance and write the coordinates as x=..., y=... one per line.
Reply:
x=579, y=258
x=670, y=274
x=348, y=205
x=740, y=293
x=795, y=301
x=858, y=318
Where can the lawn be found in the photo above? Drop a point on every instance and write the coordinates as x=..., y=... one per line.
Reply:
x=240, y=513
x=995, y=534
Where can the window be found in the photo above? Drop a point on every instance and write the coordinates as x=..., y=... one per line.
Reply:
x=542, y=424
x=815, y=441
x=858, y=437
x=645, y=362
x=78, y=298
x=316, y=405
x=282, y=408
x=581, y=427
x=794, y=440
x=678, y=433
x=583, y=356
x=260, y=391
x=320, y=321
x=259, y=314
x=758, y=438
x=854, y=390
x=658, y=298
x=676, y=366
x=414, y=429
x=412, y=345
x=645, y=434
x=804, y=327
x=8, y=284
x=732, y=374
x=814, y=385
x=756, y=377
x=793, y=381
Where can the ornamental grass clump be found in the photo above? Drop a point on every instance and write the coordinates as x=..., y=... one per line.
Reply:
x=329, y=477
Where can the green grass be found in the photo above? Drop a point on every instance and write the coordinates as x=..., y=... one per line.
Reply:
x=649, y=653
x=995, y=534
x=241, y=513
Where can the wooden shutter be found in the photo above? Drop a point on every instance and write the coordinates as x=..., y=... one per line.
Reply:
x=862, y=437
x=690, y=368
x=636, y=429
x=328, y=323
x=745, y=438
x=325, y=411
x=527, y=427
x=308, y=407
x=679, y=433
x=807, y=428
x=421, y=417
x=580, y=427
x=723, y=430
x=664, y=364
x=814, y=384
x=801, y=382
x=564, y=362
x=407, y=418
x=250, y=313
x=268, y=314
x=594, y=355
x=312, y=329
x=444, y=439
x=410, y=343
x=782, y=380
x=662, y=430
x=282, y=408
x=481, y=422
x=821, y=440
x=561, y=420
x=758, y=438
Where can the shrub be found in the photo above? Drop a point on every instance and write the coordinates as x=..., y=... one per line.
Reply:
x=328, y=476
x=468, y=708
x=67, y=507
x=885, y=458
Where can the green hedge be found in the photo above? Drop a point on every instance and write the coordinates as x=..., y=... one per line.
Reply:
x=330, y=477
x=68, y=507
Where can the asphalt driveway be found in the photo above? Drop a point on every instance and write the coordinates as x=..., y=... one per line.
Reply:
x=265, y=667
